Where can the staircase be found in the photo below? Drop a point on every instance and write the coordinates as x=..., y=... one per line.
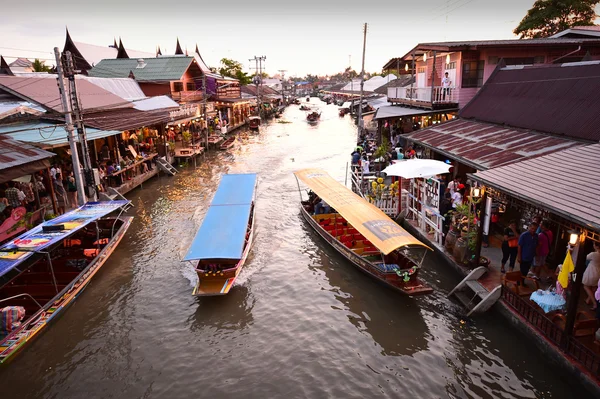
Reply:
x=166, y=166
x=474, y=296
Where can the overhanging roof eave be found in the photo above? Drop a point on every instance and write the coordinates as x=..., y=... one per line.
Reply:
x=560, y=212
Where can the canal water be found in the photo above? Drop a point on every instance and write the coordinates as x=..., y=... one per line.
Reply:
x=300, y=322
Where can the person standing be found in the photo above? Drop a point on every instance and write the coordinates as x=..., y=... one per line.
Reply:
x=365, y=164
x=62, y=202
x=355, y=159
x=457, y=197
x=545, y=238
x=446, y=82
x=14, y=196
x=510, y=246
x=527, y=248
x=72, y=189
x=592, y=275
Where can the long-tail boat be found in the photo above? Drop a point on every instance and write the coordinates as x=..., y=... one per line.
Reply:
x=363, y=234
x=254, y=122
x=225, y=237
x=228, y=143
x=45, y=269
x=313, y=117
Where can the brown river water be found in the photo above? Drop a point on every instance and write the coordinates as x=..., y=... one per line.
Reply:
x=300, y=322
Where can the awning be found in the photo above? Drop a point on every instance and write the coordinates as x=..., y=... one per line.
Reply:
x=486, y=145
x=18, y=159
x=365, y=217
x=35, y=240
x=566, y=183
x=49, y=135
x=223, y=231
x=395, y=111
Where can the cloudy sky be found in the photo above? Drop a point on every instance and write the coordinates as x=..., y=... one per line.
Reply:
x=307, y=36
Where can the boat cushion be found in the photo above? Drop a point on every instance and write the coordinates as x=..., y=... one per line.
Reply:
x=10, y=318
x=387, y=267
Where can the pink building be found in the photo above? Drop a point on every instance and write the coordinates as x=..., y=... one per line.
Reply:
x=470, y=63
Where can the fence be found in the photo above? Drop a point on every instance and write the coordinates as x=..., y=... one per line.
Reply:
x=585, y=356
x=425, y=94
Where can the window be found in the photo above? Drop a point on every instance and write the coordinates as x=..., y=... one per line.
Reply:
x=451, y=65
x=472, y=73
x=190, y=86
x=177, y=86
x=421, y=70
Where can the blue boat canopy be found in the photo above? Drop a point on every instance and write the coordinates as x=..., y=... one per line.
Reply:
x=13, y=253
x=223, y=231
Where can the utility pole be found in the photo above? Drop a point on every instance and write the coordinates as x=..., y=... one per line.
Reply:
x=77, y=114
x=362, y=81
x=204, y=115
x=258, y=80
x=70, y=130
x=282, y=71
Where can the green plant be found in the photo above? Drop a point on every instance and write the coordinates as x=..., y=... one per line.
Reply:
x=186, y=137
x=464, y=221
x=383, y=149
x=49, y=216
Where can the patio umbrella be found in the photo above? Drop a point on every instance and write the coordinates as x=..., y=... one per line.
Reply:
x=412, y=168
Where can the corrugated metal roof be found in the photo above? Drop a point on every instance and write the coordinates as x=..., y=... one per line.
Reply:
x=395, y=111
x=485, y=145
x=21, y=62
x=44, y=91
x=154, y=103
x=47, y=135
x=15, y=153
x=164, y=68
x=10, y=107
x=558, y=99
x=125, y=88
x=565, y=182
x=513, y=42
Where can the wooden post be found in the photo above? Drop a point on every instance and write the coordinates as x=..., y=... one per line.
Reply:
x=52, y=197
x=573, y=299
x=481, y=220
x=433, y=78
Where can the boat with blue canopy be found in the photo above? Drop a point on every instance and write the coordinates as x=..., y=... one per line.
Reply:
x=45, y=269
x=222, y=243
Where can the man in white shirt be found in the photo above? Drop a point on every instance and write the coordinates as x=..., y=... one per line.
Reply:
x=446, y=83
x=452, y=186
x=457, y=197
x=365, y=164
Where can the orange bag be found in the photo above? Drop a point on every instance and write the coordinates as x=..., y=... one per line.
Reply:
x=513, y=242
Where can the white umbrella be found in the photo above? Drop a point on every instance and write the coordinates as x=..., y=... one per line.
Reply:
x=411, y=168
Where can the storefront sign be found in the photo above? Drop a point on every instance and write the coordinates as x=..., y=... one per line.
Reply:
x=185, y=111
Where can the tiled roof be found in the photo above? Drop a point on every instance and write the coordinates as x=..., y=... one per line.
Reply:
x=21, y=62
x=164, y=68
x=485, y=145
x=565, y=182
x=557, y=99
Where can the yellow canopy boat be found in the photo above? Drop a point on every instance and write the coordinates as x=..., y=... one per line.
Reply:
x=363, y=234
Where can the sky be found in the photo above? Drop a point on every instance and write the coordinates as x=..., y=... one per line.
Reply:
x=306, y=36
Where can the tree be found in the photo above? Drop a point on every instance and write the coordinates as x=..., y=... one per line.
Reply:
x=40, y=66
x=233, y=69
x=548, y=17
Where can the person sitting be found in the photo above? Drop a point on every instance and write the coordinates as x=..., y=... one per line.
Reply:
x=322, y=207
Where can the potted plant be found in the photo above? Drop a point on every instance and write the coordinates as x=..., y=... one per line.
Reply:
x=379, y=156
x=186, y=138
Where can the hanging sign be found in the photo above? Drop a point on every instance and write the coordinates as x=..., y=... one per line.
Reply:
x=184, y=111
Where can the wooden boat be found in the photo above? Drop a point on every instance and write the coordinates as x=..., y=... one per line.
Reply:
x=44, y=270
x=313, y=117
x=364, y=235
x=308, y=99
x=228, y=143
x=225, y=237
x=304, y=108
x=254, y=122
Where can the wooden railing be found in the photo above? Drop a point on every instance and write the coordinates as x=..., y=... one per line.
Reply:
x=435, y=95
x=585, y=356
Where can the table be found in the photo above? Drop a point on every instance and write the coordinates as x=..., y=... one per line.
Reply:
x=548, y=301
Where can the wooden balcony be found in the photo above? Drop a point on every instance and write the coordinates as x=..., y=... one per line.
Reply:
x=186, y=96
x=425, y=97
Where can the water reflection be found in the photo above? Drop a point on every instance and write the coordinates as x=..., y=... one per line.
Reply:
x=231, y=312
x=393, y=320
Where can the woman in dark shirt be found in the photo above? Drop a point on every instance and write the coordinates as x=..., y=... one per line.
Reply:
x=510, y=246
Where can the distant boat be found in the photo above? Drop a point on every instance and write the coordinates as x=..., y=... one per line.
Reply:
x=225, y=237
x=45, y=269
x=313, y=117
x=304, y=108
x=254, y=122
x=308, y=99
x=364, y=235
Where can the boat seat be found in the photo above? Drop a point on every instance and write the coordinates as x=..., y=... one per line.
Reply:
x=358, y=251
x=357, y=236
x=387, y=267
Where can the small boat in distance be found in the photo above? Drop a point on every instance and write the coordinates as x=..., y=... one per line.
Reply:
x=308, y=99
x=313, y=117
x=254, y=122
x=45, y=269
x=225, y=237
x=363, y=234
x=304, y=108
x=228, y=143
